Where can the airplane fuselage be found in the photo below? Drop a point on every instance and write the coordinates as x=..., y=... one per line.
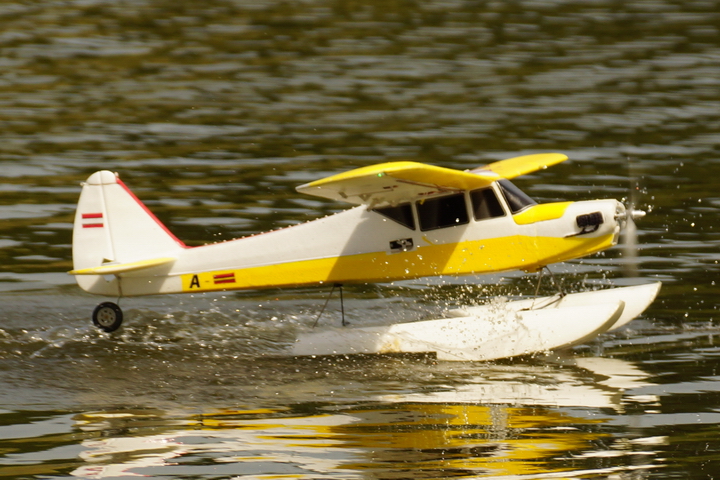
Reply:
x=458, y=233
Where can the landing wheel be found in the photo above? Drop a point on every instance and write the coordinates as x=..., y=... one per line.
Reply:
x=107, y=317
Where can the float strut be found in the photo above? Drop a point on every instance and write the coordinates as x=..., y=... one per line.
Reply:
x=557, y=284
x=342, y=305
x=560, y=295
x=561, y=292
x=539, y=281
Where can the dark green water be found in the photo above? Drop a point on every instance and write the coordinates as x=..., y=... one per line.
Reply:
x=214, y=111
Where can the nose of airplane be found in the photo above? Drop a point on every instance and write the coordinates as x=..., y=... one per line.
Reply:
x=597, y=218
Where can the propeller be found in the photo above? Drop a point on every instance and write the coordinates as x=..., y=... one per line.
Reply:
x=629, y=232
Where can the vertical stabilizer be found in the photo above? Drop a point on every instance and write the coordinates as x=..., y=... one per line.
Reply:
x=113, y=227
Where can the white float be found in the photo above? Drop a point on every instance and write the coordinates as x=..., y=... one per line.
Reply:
x=493, y=331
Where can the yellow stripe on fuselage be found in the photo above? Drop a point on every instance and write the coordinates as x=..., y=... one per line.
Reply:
x=471, y=257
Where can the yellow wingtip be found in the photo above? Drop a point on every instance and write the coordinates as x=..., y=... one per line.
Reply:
x=517, y=166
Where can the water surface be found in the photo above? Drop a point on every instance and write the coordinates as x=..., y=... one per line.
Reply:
x=213, y=112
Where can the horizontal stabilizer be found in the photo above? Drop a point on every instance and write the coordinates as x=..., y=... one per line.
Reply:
x=516, y=166
x=116, y=268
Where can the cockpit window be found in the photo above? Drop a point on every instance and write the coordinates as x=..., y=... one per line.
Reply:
x=486, y=204
x=402, y=214
x=516, y=199
x=442, y=212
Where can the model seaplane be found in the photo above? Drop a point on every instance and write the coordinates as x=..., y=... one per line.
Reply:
x=411, y=220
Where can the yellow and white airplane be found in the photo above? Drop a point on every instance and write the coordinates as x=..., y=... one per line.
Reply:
x=411, y=220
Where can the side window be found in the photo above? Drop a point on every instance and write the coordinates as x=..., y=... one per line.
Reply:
x=402, y=214
x=486, y=204
x=442, y=212
x=516, y=199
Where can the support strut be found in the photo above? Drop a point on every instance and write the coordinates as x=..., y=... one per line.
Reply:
x=327, y=300
x=561, y=293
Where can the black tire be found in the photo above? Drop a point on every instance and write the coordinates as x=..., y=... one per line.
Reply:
x=107, y=317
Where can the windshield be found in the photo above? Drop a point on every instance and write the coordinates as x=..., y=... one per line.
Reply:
x=516, y=199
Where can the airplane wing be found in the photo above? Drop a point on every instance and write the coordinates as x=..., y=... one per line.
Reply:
x=516, y=166
x=395, y=182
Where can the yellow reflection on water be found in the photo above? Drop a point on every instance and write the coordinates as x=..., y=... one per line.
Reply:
x=432, y=439
x=554, y=434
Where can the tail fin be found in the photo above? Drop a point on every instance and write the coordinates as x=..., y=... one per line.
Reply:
x=114, y=229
